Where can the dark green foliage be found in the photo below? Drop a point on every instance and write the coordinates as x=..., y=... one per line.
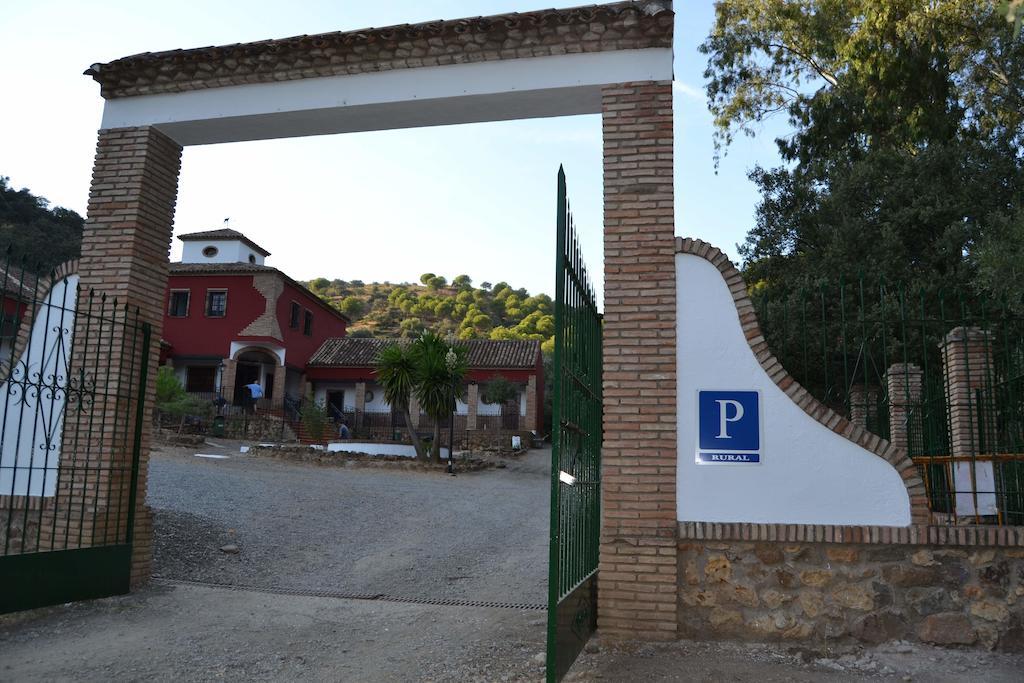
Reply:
x=45, y=237
x=406, y=310
x=499, y=391
x=903, y=163
x=315, y=419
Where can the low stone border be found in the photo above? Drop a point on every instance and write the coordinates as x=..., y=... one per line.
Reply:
x=317, y=456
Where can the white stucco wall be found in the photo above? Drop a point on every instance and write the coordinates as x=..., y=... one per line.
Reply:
x=808, y=474
x=228, y=251
x=30, y=454
x=402, y=450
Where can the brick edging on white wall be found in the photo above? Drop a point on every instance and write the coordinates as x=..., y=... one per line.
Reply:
x=873, y=443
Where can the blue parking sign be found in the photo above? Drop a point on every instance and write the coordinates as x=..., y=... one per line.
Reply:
x=729, y=426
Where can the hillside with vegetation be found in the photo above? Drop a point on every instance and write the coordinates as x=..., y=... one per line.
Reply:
x=32, y=230
x=490, y=311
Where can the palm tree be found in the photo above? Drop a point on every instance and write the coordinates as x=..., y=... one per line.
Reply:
x=396, y=372
x=440, y=367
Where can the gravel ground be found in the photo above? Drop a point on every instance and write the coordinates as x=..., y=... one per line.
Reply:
x=476, y=536
x=194, y=633
x=407, y=534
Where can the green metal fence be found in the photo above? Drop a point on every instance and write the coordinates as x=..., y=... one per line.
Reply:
x=576, y=452
x=73, y=375
x=938, y=373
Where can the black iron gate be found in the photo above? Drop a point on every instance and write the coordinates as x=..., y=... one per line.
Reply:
x=73, y=373
x=576, y=453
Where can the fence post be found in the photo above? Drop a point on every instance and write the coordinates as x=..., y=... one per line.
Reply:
x=472, y=401
x=903, y=386
x=966, y=364
x=227, y=380
x=280, y=378
x=360, y=405
x=531, y=404
x=862, y=399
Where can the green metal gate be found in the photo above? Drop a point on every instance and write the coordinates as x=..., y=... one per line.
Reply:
x=575, y=453
x=72, y=389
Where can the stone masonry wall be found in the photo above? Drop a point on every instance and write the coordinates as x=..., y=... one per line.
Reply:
x=822, y=593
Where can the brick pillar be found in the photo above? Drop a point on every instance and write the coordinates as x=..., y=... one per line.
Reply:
x=472, y=403
x=903, y=385
x=360, y=404
x=227, y=380
x=125, y=247
x=637, y=581
x=531, y=404
x=863, y=399
x=966, y=364
x=280, y=377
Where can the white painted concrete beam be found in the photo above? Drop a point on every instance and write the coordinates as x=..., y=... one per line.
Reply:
x=562, y=85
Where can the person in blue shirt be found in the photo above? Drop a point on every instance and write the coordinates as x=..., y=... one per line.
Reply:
x=255, y=393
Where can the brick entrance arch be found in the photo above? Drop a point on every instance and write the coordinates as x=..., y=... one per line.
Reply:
x=615, y=60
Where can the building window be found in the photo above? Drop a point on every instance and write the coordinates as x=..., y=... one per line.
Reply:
x=293, y=322
x=252, y=258
x=201, y=380
x=210, y=252
x=216, y=303
x=178, y=306
x=307, y=324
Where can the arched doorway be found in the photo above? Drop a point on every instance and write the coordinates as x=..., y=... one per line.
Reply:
x=254, y=366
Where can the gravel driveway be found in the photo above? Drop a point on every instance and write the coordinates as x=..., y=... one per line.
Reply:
x=477, y=536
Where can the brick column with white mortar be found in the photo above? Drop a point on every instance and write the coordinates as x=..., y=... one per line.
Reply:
x=966, y=366
x=637, y=588
x=280, y=378
x=472, y=404
x=125, y=247
x=863, y=399
x=530, y=422
x=227, y=379
x=360, y=404
x=903, y=384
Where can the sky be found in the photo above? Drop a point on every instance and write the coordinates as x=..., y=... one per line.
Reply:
x=381, y=206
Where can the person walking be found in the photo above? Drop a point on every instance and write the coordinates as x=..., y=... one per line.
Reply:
x=255, y=394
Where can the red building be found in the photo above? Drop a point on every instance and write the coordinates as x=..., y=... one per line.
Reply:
x=343, y=378
x=231, y=320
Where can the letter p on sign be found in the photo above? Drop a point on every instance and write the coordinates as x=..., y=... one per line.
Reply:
x=729, y=421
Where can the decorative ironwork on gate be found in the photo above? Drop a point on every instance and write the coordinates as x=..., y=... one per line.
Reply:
x=73, y=368
x=576, y=452
x=938, y=373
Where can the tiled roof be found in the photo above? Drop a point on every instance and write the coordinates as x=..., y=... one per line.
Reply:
x=592, y=28
x=247, y=269
x=351, y=352
x=222, y=234
x=221, y=268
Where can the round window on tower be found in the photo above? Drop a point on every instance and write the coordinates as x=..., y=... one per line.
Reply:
x=368, y=397
x=210, y=252
x=252, y=258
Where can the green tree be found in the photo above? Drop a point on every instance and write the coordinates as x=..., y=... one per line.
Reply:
x=499, y=390
x=396, y=372
x=43, y=237
x=462, y=282
x=906, y=125
x=440, y=368
x=314, y=418
x=351, y=306
x=437, y=282
x=426, y=278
